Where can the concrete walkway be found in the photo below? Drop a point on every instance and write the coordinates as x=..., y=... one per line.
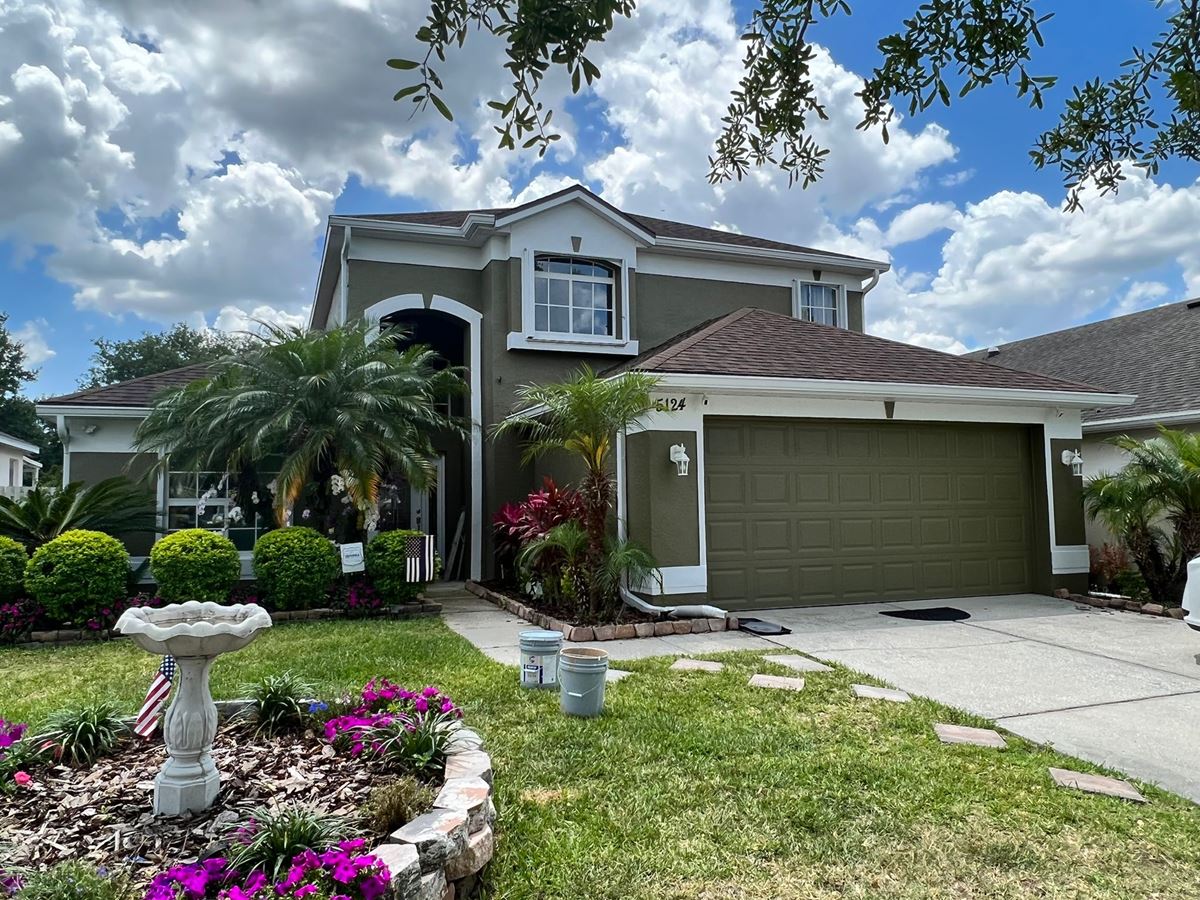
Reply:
x=1119, y=689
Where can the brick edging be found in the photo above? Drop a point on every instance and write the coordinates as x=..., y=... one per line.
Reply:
x=1123, y=604
x=64, y=636
x=628, y=631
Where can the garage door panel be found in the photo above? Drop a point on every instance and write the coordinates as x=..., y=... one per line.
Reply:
x=810, y=512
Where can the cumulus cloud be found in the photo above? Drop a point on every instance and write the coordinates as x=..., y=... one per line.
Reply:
x=32, y=338
x=920, y=221
x=231, y=318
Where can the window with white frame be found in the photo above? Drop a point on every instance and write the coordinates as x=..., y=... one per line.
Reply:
x=206, y=500
x=573, y=296
x=819, y=303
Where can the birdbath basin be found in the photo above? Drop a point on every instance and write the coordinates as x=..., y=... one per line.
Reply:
x=195, y=634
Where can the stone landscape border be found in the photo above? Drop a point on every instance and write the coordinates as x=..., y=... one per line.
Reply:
x=582, y=633
x=1126, y=604
x=441, y=855
x=62, y=636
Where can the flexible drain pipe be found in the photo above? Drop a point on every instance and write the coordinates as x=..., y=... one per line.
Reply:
x=694, y=611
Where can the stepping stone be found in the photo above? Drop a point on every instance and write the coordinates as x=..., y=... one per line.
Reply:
x=779, y=682
x=871, y=692
x=684, y=664
x=961, y=734
x=798, y=663
x=616, y=674
x=1096, y=784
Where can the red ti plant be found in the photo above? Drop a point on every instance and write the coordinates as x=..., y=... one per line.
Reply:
x=518, y=524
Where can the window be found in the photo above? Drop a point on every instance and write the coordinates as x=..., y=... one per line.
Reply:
x=205, y=500
x=573, y=296
x=819, y=303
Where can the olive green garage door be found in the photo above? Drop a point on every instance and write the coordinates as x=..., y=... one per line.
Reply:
x=806, y=512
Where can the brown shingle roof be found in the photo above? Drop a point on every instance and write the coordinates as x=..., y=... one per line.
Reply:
x=1150, y=353
x=758, y=343
x=657, y=227
x=135, y=393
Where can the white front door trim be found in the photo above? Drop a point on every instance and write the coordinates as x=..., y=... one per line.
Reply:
x=474, y=320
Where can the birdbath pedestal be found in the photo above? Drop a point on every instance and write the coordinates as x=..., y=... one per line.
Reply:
x=195, y=634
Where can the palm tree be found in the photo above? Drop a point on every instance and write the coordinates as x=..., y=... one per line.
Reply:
x=582, y=416
x=348, y=402
x=1153, y=505
x=115, y=505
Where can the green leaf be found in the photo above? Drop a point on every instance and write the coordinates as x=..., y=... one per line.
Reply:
x=402, y=63
x=405, y=92
x=441, y=107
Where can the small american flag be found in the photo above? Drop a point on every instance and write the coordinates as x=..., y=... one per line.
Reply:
x=419, y=551
x=156, y=698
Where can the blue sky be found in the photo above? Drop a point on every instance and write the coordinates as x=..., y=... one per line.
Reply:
x=186, y=175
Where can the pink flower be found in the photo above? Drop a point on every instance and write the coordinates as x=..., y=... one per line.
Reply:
x=22, y=778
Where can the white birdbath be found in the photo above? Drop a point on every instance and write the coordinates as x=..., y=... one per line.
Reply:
x=195, y=634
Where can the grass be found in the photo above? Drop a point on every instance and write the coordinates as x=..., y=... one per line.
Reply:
x=698, y=786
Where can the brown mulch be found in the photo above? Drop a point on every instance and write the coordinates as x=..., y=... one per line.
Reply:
x=568, y=613
x=104, y=813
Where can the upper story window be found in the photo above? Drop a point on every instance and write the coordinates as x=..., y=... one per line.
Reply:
x=819, y=303
x=572, y=295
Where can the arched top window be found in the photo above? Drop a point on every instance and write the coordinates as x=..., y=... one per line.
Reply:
x=573, y=295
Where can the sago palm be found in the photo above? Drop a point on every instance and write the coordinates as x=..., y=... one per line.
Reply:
x=583, y=416
x=320, y=403
x=115, y=505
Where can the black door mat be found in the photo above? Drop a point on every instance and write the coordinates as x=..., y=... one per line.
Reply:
x=758, y=626
x=932, y=614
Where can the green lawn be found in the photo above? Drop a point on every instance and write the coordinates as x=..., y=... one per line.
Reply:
x=695, y=785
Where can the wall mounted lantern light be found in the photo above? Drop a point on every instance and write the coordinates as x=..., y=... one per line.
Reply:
x=680, y=458
x=1074, y=460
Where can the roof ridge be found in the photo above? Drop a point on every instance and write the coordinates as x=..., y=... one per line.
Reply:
x=702, y=332
x=1162, y=307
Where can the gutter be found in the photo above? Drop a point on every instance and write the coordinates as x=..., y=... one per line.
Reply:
x=1147, y=420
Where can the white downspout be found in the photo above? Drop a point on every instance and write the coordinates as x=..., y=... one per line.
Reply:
x=344, y=279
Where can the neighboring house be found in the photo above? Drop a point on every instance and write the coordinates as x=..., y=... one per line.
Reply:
x=1151, y=354
x=18, y=468
x=824, y=465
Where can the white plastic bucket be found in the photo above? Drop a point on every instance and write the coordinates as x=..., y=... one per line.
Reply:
x=539, y=659
x=582, y=673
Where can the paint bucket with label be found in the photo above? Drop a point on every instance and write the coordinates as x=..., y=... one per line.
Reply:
x=539, y=659
x=582, y=672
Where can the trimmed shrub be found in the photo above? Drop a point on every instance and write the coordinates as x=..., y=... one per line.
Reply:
x=13, y=559
x=387, y=566
x=76, y=575
x=195, y=564
x=295, y=566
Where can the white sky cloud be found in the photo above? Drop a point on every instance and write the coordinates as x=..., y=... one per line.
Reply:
x=32, y=338
x=193, y=179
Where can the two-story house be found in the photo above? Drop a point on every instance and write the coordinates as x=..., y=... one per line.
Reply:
x=824, y=465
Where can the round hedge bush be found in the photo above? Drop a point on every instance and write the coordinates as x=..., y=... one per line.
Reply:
x=13, y=559
x=195, y=564
x=77, y=574
x=295, y=567
x=387, y=564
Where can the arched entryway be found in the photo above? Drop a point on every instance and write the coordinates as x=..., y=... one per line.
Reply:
x=453, y=330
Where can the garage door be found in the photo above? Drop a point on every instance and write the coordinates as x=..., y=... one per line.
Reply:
x=811, y=512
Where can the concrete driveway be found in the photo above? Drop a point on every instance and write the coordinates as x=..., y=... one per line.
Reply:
x=1116, y=688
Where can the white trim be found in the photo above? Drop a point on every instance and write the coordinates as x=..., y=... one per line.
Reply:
x=474, y=320
x=810, y=259
x=620, y=221
x=886, y=390
x=575, y=343
x=86, y=410
x=1071, y=559
x=343, y=284
x=17, y=444
x=1148, y=420
x=841, y=307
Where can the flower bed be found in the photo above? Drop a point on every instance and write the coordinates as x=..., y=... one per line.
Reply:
x=623, y=631
x=390, y=769
x=1121, y=602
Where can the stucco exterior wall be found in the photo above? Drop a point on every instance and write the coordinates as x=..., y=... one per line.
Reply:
x=662, y=506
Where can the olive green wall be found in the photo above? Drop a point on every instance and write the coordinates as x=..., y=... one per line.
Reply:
x=663, y=507
x=1043, y=565
x=660, y=307
x=666, y=305
x=93, y=467
x=1069, y=526
x=854, y=311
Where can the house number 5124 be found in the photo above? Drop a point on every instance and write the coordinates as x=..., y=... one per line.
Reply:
x=670, y=404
